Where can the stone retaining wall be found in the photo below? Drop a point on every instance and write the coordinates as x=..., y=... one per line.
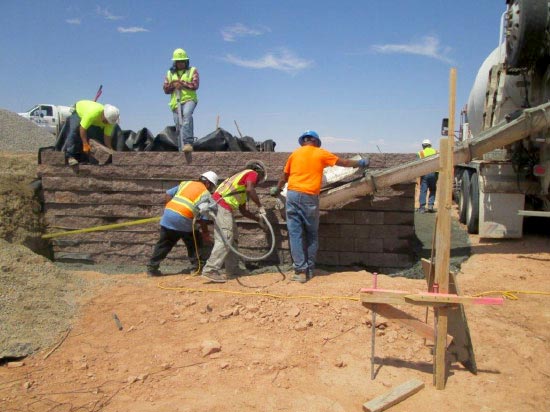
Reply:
x=376, y=232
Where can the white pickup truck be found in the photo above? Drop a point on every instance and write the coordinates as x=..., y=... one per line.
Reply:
x=49, y=116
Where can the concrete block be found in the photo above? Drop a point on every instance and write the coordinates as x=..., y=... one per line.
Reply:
x=399, y=218
x=368, y=218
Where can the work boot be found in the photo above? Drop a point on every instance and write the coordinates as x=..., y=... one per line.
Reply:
x=72, y=161
x=214, y=277
x=431, y=209
x=153, y=271
x=299, y=276
x=193, y=270
x=187, y=148
x=421, y=210
x=309, y=274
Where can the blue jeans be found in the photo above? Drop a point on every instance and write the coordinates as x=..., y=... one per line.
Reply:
x=185, y=131
x=427, y=183
x=302, y=220
x=73, y=143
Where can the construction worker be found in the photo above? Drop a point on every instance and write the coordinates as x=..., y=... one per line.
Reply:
x=88, y=119
x=232, y=195
x=427, y=182
x=182, y=83
x=304, y=173
x=184, y=203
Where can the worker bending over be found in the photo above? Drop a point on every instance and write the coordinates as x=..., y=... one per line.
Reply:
x=232, y=195
x=427, y=182
x=184, y=203
x=304, y=173
x=88, y=119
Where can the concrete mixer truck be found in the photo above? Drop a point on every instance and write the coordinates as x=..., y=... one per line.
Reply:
x=496, y=190
x=502, y=150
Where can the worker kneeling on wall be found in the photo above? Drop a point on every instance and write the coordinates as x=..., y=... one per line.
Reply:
x=89, y=118
x=185, y=202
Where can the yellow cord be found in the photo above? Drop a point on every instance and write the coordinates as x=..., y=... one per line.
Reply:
x=512, y=294
x=507, y=294
x=269, y=295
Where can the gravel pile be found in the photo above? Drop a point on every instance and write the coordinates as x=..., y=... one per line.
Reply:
x=18, y=134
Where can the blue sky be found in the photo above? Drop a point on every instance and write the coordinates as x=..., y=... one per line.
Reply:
x=367, y=75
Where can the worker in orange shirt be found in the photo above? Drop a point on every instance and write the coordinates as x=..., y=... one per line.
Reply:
x=304, y=173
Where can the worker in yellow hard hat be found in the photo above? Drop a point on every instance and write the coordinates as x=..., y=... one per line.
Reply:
x=181, y=83
x=88, y=119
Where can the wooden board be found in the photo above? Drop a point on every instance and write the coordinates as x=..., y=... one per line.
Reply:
x=396, y=395
x=414, y=325
x=461, y=348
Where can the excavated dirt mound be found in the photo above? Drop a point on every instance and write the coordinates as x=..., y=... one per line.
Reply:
x=37, y=299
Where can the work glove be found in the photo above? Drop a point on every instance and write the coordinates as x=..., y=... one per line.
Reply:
x=86, y=148
x=205, y=209
x=262, y=212
x=362, y=163
x=274, y=191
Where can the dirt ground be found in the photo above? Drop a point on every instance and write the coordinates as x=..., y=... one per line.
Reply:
x=264, y=343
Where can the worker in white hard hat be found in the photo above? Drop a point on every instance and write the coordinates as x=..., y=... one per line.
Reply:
x=232, y=195
x=181, y=83
x=304, y=173
x=89, y=120
x=184, y=203
x=428, y=183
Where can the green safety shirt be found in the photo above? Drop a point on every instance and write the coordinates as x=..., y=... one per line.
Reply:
x=90, y=114
x=186, y=94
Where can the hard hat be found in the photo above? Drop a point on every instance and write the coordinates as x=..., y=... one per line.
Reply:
x=259, y=167
x=212, y=177
x=309, y=133
x=111, y=113
x=179, y=54
x=426, y=142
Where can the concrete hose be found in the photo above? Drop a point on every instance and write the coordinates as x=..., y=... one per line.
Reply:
x=250, y=258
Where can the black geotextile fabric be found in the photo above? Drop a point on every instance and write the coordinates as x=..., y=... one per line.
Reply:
x=219, y=140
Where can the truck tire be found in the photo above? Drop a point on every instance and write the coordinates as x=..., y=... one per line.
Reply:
x=472, y=220
x=464, y=194
x=526, y=32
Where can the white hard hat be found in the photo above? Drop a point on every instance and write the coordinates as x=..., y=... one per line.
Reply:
x=426, y=142
x=211, y=177
x=111, y=113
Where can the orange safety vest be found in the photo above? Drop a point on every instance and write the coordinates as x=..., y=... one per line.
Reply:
x=186, y=198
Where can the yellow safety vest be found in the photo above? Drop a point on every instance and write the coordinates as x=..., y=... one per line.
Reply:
x=186, y=94
x=232, y=192
x=427, y=152
x=186, y=199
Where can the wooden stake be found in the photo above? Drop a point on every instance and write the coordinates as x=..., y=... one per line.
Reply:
x=443, y=238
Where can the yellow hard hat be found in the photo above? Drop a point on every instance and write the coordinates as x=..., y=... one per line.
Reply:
x=179, y=54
